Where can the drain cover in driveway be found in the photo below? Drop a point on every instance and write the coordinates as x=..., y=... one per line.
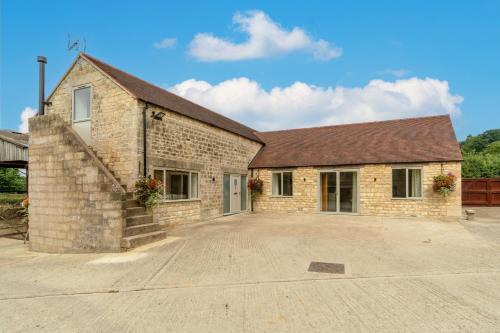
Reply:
x=326, y=267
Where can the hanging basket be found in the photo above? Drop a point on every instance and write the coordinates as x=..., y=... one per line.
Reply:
x=255, y=186
x=445, y=184
x=148, y=191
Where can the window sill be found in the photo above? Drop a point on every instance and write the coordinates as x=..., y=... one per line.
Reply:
x=281, y=196
x=420, y=198
x=181, y=200
x=81, y=120
x=338, y=213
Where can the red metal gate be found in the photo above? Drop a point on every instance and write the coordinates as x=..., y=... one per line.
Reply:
x=481, y=191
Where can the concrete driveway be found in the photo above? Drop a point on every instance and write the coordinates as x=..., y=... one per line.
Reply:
x=249, y=273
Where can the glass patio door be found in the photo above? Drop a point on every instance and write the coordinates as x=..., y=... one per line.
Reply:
x=328, y=191
x=338, y=191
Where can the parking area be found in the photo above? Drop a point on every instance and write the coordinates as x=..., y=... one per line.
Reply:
x=250, y=273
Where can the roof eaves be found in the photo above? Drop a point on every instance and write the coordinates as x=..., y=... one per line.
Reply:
x=13, y=141
x=286, y=165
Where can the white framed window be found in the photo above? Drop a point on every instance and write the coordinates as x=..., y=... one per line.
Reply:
x=406, y=183
x=82, y=103
x=178, y=184
x=282, y=183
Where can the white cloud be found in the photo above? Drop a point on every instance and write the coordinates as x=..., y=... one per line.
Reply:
x=26, y=114
x=399, y=73
x=165, y=43
x=302, y=105
x=265, y=38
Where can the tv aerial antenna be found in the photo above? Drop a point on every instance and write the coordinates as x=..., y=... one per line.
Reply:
x=76, y=44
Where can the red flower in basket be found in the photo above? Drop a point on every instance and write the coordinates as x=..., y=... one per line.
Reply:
x=153, y=184
x=255, y=186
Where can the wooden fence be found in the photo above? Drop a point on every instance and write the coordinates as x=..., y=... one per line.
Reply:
x=481, y=191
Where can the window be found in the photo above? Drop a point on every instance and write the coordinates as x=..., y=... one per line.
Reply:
x=227, y=193
x=178, y=185
x=407, y=183
x=243, y=192
x=282, y=183
x=81, y=104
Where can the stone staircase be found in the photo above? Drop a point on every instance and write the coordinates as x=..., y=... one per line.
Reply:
x=140, y=228
x=107, y=167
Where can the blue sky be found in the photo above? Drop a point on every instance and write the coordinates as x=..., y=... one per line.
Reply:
x=273, y=66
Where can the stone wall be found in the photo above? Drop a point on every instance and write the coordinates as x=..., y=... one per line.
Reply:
x=115, y=118
x=375, y=192
x=75, y=206
x=305, y=195
x=182, y=143
x=177, y=212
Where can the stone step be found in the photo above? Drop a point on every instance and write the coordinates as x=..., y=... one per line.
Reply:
x=131, y=203
x=134, y=211
x=140, y=219
x=141, y=229
x=138, y=240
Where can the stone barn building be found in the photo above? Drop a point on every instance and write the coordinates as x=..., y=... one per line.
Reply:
x=104, y=128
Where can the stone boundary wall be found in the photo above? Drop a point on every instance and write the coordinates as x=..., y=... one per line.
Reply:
x=75, y=206
x=177, y=212
x=375, y=197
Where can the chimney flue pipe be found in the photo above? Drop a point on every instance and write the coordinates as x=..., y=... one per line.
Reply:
x=41, y=84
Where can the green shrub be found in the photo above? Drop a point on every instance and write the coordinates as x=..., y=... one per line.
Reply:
x=481, y=155
x=480, y=165
x=11, y=180
x=493, y=148
x=11, y=199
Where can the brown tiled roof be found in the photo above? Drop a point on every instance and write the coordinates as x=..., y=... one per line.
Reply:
x=427, y=139
x=17, y=138
x=155, y=95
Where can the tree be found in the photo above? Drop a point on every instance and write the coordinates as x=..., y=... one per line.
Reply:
x=481, y=165
x=493, y=148
x=478, y=143
x=11, y=180
x=481, y=155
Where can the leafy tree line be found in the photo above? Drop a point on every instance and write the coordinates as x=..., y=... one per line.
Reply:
x=481, y=155
x=11, y=180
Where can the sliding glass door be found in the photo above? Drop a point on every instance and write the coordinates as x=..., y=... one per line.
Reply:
x=328, y=191
x=348, y=192
x=339, y=191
